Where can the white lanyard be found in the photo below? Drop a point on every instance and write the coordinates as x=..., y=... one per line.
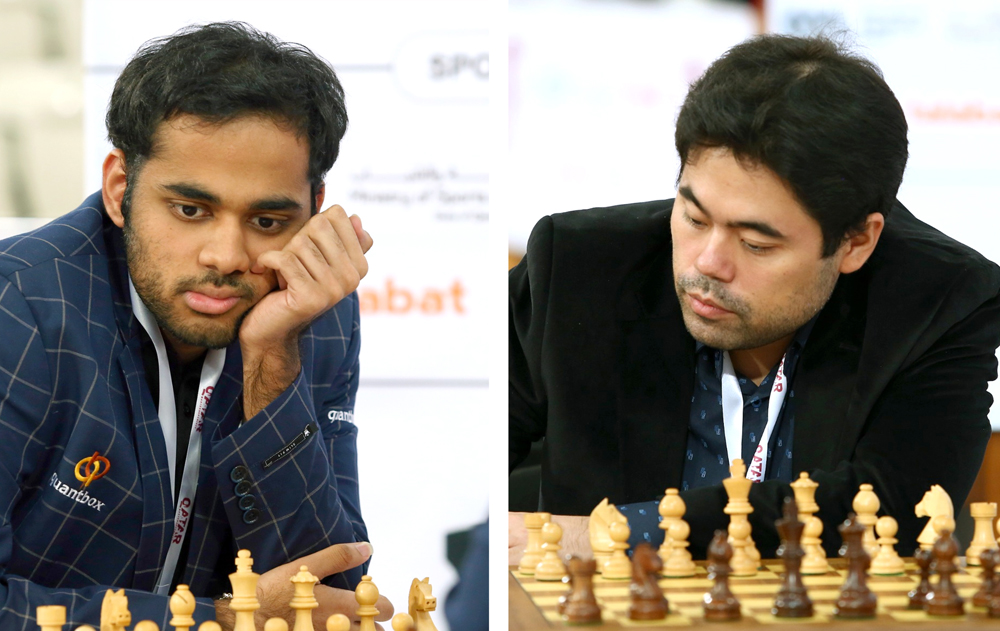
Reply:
x=211, y=370
x=732, y=416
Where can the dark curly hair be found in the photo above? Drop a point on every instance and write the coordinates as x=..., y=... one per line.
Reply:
x=824, y=120
x=219, y=72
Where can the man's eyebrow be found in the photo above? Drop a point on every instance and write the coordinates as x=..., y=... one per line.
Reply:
x=194, y=192
x=190, y=191
x=757, y=226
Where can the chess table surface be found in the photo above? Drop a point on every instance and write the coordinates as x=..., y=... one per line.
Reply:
x=532, y=603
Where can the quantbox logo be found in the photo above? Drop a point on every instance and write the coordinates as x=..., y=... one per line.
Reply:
x=93, y=467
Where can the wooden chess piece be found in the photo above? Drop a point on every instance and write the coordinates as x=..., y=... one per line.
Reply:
x=533, y=523
x=679, y=565
x=212, y=625
x=741, y=565
x=719, y=603
x=304, y=600
x=792, y=600
x=340, y=622
x=988, y=558
x=568, y=582
x=918, y=595
x=671, y=509
x=856, y=599
x=887, y=562
x=420, y=603
x=746, y=558
x=647, y=601
x=244, y=602
x=50, y=617
x=115, y=615
x=993, y=608
x=182, y=605
x=582, y=607
x=279, y=624
x=866, y=505
x=982, y=537
x=400, y=622
x=599, y=529
x=805, y=497
x=936, y=502
x=943, y=599
x=367, y=595
x=618, y=567
x=551, y=567
x=146, y=625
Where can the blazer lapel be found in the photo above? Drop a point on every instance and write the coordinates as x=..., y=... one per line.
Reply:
x=654, y=389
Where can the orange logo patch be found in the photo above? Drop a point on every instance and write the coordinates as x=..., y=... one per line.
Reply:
x=94, y=468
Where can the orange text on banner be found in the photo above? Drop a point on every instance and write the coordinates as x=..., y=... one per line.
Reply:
x=393, y=299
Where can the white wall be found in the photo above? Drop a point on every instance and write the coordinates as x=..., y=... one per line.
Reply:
x=414, y=166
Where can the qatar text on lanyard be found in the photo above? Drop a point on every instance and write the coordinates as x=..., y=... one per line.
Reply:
x=732, y=416
x=210, y=371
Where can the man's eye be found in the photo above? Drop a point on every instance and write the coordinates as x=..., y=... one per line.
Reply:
x=269, y=224
x=189, y=211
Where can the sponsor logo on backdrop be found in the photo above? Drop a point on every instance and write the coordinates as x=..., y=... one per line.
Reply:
x=393, y=299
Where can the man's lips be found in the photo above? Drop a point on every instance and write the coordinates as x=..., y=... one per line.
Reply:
x=706, y=308
x=216, y=304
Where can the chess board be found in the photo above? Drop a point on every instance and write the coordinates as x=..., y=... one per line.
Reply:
x=533, y=603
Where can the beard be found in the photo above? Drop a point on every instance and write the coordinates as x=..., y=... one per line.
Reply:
x=755, y=326
x=205, y=331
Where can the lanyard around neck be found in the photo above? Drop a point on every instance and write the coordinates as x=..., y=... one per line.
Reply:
x=732, y=416
x=211, y=370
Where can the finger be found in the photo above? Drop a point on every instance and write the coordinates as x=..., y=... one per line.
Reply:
x=363, y=237
x=385, y=608
x=324, y=255
x=344, y=226
x=336, y=558
x=288, y=266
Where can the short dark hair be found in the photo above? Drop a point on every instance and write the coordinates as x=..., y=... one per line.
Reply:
x=220, y=72
x=823, y=119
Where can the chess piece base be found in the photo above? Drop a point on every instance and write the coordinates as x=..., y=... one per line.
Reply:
x=718, y=611
x=792, y=605
x=648, y=610
x=577, y=613
x=855, y=605
x=939, y=605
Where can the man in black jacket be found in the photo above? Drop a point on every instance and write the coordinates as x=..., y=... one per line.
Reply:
x=783, y=309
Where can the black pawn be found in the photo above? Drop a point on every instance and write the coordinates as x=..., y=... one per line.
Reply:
x=720, y=603
x=856, y=599
x=943, y=600
x=988, y=559
x=918, y=595
x=792, y=600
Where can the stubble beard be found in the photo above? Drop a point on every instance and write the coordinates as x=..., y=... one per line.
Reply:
x=753, y=327
x=151, y=288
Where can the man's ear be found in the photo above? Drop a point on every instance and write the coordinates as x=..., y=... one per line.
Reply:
x=320, y=196
x=113, y=185
x=859, y=246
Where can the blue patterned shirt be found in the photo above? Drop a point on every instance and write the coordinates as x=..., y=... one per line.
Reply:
x=706, y=462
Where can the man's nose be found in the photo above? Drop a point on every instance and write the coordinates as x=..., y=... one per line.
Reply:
x=715, y=259
x=225, y=248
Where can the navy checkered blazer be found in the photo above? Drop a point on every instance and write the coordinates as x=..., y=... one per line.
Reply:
x=72, y=384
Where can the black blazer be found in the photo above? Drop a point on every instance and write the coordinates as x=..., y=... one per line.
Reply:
x=890, y=389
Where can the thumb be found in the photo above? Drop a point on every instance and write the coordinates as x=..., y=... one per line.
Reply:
x=336, y=558
x=364, y=238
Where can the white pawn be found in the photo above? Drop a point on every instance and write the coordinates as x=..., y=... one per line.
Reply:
x=982, y=536
x=400, y=622
x=275, y=624
x=533, y=523
x=146, y=625
x=367, y=595
x=887, y=562
x=212, y=625
x=866, y=505
x=679, y=565
x=337, y=622
x=743, y=565
x=50, y=617
x=814, y=562
x=244, y=602
x=551, y=567
x=618, y=567
x=671, y=509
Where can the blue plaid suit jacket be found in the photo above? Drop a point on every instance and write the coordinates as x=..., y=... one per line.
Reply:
x=72, y=383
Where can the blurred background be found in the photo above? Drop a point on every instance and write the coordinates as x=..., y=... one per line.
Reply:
x=412, y=164
x=595, y=87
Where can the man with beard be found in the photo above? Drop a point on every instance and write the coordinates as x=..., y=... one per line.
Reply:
x=784, y=309
x=181, y=352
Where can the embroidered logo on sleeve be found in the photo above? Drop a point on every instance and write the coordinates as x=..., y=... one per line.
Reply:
x=341, y=415
x=309, y=430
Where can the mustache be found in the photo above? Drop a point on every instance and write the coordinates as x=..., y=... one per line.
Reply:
x=245, y=289
x=714, y=290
